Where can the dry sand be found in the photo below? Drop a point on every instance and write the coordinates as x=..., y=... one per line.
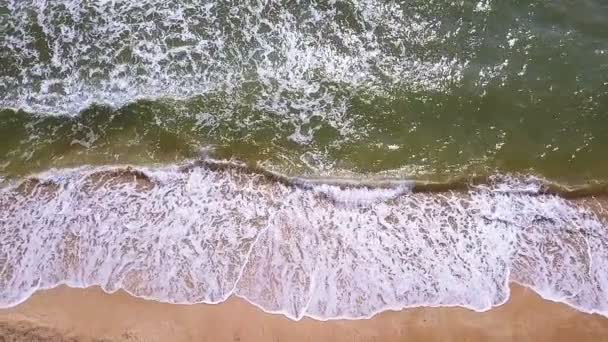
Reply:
x=65, y=314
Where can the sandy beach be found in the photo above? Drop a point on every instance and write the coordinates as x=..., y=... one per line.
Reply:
x=65, y=314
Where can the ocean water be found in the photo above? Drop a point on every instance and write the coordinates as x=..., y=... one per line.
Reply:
x=329, y=159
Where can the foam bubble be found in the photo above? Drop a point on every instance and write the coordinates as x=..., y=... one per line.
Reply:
x=195, y=235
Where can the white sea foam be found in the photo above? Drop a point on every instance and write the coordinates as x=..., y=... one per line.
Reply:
x=294, y=61
x=324, y=252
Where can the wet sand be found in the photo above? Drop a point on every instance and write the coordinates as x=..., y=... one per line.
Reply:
x=65, y=314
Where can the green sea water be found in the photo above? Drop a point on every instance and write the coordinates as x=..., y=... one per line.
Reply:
x=430, y=90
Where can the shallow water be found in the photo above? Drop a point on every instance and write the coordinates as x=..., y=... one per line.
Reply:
x=195, y=235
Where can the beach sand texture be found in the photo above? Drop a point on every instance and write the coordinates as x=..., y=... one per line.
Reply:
x=66, y=314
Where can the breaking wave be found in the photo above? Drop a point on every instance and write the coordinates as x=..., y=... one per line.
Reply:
x=208, y=230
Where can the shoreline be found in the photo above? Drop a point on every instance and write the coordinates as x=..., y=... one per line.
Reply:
x=63, y=230
x=90, y=314
x=539, y=185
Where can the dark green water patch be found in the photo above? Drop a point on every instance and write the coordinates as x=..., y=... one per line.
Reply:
x=510, y=128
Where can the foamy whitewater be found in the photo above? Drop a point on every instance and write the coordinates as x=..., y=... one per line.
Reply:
x=117, y=52
x=292, y=63
x=193, y=235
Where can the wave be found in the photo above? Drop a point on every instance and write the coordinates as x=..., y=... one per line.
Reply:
x=202, y=232
x=512, y=184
